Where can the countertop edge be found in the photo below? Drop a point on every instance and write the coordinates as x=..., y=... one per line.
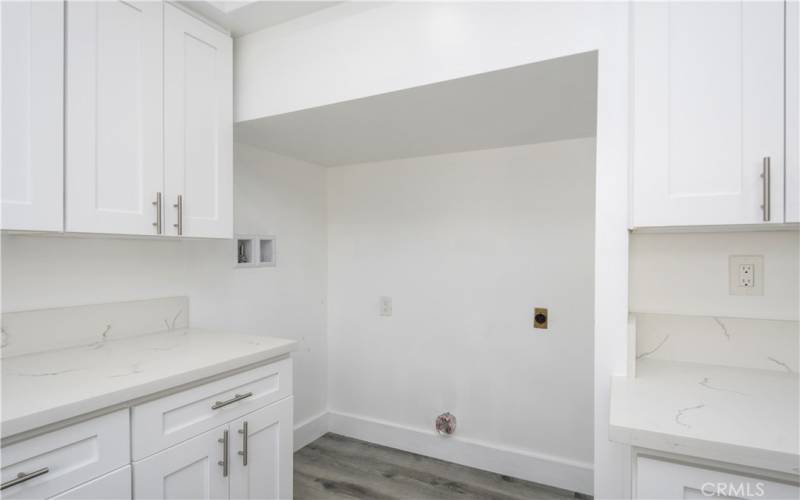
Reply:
x=768, y=460
x=30, y=424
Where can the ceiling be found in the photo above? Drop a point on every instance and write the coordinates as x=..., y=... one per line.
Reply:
x=539, y=102
x=243, y=17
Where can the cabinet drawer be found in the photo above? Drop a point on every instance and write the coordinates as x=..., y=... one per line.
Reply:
x=167, y=421
x=113, y=486
x=661, y=479
x=70, y=456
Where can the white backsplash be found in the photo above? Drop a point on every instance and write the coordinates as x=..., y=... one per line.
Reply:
x=747, y=343
x=25, y=332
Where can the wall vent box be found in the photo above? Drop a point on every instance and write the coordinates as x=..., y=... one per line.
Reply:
x=266, y=251
x=255, y=251
x=244, y=251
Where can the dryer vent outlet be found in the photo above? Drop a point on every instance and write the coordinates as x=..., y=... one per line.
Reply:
x=446, y=423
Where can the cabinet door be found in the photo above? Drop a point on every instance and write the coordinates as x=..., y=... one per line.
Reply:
x=32, y=114
x=188, y=470
x=198, y=126
x=708, y=108
x=113, y=486
x=659, y=479
x=266, y=435
x=114, y=115
x=792, y=112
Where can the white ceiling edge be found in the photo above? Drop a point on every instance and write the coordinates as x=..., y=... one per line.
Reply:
x=230, y=5
x=540, y=102
x=244, y=17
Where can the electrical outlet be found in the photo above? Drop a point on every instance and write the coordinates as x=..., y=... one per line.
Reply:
x=746, y=274
x=746, y=278
x=386, y=306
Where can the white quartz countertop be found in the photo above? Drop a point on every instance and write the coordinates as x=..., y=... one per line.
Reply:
x=47, y=387
x=737, y=415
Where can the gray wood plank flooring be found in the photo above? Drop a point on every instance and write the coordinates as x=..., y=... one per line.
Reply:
x=336, y=467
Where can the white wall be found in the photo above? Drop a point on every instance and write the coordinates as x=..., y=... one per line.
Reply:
x=277, y=196
x=274, y=195
x=688, y=274
x=355, y=50
x=467, y=245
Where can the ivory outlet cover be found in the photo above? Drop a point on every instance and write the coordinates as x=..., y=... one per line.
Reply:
x=746, y=274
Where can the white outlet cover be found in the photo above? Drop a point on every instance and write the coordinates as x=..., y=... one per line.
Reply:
x=735, y=268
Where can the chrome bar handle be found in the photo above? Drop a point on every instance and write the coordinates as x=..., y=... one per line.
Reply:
x=24, y=476
x=236, y=397
x=157, y=204
x=766, y=185
x=224, y=461
x=179, y=206
x=243, y=453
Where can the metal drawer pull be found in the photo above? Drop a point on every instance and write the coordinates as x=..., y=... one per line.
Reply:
x=765, y=177
x=24, y=476
x=179, y=206
x=224, y=461
x=235, y=398
x=243, y=453
x=157, y=204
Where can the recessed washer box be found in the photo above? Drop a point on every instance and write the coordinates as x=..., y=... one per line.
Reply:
x=255, y=251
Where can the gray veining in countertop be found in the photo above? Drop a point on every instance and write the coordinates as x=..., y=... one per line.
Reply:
x=739, y=415
x=46, y=387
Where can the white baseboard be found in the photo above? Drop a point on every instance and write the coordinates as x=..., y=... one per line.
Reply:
x=537, y=467
x=310, y=430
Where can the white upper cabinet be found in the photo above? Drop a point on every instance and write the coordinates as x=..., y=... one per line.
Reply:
x=198, y=127
x=792, y=112
x=114, y=153
x=32, y=114
x=708, y=113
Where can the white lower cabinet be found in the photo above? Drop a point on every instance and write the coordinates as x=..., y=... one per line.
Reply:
x=664, y=479
x=54, y=463
x=262, y=463
x=228, y=438
x=250, y=458
x=164, y=422
x=188, y=470
x=113, y=486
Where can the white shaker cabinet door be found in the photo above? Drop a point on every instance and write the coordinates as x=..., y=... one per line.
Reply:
x=792, y=112
x=198, y=127
x=708, y=108
x=32, y=114
x=114, y=153
x=188, y=470
x=264, y=440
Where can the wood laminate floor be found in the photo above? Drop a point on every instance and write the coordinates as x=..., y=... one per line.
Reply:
x=337, y=467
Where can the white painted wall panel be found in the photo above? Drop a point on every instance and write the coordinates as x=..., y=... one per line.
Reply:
x=466, y=245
